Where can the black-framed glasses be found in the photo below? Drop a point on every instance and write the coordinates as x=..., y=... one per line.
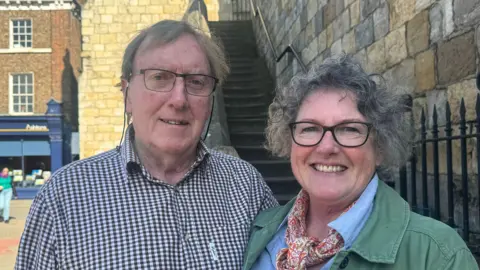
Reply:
x=346, y=134
x=161, y=80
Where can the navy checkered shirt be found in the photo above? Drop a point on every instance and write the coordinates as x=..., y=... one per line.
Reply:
x=108, y=212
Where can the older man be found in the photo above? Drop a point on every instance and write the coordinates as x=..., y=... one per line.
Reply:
x=161, y=200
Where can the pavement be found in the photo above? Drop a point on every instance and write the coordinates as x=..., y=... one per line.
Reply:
x=10, y=233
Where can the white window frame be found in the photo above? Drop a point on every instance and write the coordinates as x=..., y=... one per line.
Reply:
x=12, y=45
x=11, y=94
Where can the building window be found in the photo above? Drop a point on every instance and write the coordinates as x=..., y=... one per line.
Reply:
x=21, y=93
x=21, y=33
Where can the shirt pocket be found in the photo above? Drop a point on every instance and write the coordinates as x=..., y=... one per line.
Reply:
x=221, y=247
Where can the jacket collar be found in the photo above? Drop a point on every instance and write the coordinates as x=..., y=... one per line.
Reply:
x=385, y=228
x=264, y=228
x=378, y=241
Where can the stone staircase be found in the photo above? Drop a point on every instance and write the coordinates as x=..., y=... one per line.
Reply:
x=247, y=93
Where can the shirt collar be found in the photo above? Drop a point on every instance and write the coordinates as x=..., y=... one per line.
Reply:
x=350, y=223
x=131, y=161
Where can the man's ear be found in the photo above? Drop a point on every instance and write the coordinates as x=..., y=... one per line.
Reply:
x=125, y=88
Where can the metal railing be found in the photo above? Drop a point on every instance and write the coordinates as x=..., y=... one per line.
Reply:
x=256, y=12
x=431, y=178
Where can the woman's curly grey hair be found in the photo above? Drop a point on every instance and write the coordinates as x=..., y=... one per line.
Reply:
x=384, y=109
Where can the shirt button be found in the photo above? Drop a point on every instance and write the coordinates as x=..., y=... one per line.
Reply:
x=344, y=263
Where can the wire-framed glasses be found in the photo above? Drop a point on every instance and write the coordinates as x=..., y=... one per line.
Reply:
x=346, y=134
x=161, y=80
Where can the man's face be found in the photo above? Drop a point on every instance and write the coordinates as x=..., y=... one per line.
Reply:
x=169, y=122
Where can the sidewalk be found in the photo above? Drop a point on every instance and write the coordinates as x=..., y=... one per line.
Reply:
x=10, y=233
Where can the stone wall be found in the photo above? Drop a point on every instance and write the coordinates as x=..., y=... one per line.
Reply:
x=426, y=48
x=107, y=27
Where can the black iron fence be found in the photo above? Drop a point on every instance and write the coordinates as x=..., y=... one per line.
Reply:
x=241, y=10
x=442, y=178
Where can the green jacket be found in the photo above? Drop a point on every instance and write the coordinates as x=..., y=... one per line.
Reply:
x=393, y=238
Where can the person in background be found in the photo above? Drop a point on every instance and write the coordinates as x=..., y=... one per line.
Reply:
x=343, y=130
x=7, y=190
x=162, y=199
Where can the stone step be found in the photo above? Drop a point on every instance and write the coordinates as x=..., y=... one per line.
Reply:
x=273, y=168
x=285, y=185
x=254, y=152
x=247, y=116
x=238, y=88
x=247, y=124
x=238, y=109
x=248, y=138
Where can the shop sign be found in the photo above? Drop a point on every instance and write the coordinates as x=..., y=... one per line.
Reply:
x=36, y=128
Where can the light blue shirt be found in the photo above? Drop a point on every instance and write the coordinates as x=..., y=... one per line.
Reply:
x=348, y=225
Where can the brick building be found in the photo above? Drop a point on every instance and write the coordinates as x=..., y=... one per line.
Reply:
x=40, y=44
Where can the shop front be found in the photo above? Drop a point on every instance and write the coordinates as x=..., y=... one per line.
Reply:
x=33, y=147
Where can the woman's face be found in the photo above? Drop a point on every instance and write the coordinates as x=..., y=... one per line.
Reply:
x=5, y=171
x=330, y=173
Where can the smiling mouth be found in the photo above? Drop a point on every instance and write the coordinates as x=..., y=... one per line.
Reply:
x=174, y=122
x=328, y=168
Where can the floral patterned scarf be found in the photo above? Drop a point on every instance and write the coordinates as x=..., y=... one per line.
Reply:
x=304, y=251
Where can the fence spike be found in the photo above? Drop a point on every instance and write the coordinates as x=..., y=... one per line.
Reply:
x=448, y=113
x=434, y=116
x=463, y=110
x=422, y=117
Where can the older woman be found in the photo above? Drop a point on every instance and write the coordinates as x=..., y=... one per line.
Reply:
x=345, y=130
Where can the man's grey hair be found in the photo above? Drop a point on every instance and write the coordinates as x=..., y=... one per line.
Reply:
x=384, y=109
x=168, y=31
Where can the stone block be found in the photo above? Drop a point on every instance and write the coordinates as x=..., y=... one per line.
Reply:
x=310, y=52
x=456, y=59
x=364, y=33
x=466, y=13
x=329, y=12
x=437, y=99
x=303, y=18
x=318, y=22
x=355, y=13
x=348, y=42
x=448, y=23
x=106, y=18
x=436, y=23
x=341, y=25
x=322, y=41
x=310, y=32
x=329, y=35
x=88, y=31
x=347, y=3
x=467, y=90
x=417, y=106
x=367, y=7
x=376, y=57
x=311, y=9
x=402, y=77
x=418, y=32
x=336, y=48
x=423, y=4
x=401, y=11
x=381, y=21
x=395, y=46
x=361, y=57
x=425, y=71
